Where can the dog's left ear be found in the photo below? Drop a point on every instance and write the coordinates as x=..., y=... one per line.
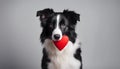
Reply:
x=71, y=15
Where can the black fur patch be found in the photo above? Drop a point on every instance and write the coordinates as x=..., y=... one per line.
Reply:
x=45, y=60
x=78, y=56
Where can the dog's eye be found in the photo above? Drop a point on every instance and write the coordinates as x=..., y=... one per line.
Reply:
x=51, y=26
x=63, y=25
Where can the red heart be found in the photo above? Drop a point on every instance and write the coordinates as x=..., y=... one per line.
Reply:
x=61, y=43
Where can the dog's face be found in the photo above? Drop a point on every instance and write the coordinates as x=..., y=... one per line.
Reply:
x=56, y=24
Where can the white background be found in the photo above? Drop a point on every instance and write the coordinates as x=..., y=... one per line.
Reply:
x=98, y=31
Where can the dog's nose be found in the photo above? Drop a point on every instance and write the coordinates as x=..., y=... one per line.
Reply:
x=56, y=36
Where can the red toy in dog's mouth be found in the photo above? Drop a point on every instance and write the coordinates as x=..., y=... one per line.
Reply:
x=61, y=43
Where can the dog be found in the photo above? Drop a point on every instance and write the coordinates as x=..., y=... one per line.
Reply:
x=54, y=26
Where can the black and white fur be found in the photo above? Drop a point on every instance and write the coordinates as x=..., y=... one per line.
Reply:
x=56, y=24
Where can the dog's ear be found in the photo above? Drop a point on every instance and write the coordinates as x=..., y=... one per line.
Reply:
x=72, y=16
x=44, y=14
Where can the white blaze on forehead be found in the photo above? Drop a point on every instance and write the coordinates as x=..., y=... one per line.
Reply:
x=58, y=19
x=57, y=29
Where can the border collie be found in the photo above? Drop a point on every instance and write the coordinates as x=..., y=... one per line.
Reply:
x=54, y=26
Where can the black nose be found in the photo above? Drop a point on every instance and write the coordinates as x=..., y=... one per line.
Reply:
x=56, y=36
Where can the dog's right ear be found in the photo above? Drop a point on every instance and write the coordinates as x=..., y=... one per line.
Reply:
x=44, y=14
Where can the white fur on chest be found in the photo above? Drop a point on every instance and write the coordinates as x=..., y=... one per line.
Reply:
x=62, y=59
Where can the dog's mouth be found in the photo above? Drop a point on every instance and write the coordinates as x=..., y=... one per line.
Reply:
x=61, y=43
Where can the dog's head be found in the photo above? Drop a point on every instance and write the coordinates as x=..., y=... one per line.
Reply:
x=56, y=24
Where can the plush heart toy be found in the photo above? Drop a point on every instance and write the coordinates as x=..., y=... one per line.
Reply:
x=61, y=43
